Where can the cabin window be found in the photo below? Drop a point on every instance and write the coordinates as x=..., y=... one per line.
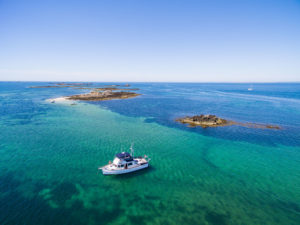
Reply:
x=122, y=165
x=129, y=164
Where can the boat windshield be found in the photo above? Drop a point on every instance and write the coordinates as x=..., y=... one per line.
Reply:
x=116, y=161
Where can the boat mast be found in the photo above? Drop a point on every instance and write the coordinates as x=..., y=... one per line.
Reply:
x=131, y=150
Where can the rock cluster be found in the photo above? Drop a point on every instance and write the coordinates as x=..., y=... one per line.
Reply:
x=214, y=121
x=204, y=121
x=105, y=95
x=208, y=119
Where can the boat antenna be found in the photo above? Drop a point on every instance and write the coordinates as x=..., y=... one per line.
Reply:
x=131, y=149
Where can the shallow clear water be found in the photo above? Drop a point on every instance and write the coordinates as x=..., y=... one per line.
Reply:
x=228, y=175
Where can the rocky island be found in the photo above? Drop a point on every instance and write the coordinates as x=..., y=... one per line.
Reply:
x=116, y=89
x=62, y=85
x=108, y=92
x=204, y=121
x=101, y=96
x=113, y=87
x=214, y=121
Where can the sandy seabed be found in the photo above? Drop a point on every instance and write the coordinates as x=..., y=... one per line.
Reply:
x=61, y=100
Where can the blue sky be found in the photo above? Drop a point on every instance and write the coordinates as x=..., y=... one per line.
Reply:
x=124, y=40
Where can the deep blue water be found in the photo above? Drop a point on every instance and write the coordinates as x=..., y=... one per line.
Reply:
x=267, y=104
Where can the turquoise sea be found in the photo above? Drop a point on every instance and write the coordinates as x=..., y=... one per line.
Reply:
x=226, y=175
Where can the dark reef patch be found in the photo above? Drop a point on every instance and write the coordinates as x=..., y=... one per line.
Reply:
x=216, y=218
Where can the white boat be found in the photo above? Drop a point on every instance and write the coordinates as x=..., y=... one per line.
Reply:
x=125, y=163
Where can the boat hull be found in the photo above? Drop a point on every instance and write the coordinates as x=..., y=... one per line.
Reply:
x=123, y=171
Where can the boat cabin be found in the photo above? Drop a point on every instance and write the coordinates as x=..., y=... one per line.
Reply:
x=125, y=156
x=123, y=159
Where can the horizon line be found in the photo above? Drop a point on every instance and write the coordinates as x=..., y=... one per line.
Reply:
x=229, y=82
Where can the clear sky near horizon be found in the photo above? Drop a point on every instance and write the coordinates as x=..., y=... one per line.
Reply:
x=126, y=40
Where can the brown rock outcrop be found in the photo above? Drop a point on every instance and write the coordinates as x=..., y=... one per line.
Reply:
x=105, y=95
x=204, y=121
x=214, y=121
